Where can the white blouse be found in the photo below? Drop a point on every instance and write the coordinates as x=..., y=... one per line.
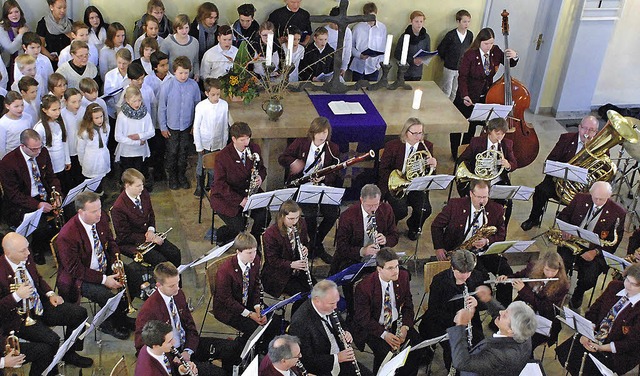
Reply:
x=59, y=151
x=126, y=126
x=94, y=160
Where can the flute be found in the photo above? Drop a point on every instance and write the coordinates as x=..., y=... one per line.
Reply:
x=511, y=280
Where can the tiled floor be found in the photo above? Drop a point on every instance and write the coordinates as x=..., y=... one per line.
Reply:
x=179, y=209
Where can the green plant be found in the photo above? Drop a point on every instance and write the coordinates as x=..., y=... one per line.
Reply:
x=239, y=81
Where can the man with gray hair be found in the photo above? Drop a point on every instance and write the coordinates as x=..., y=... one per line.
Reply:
x=594, y=211
x=362, y=230
x=504, y=354
x=282, y=357
x=322, y=348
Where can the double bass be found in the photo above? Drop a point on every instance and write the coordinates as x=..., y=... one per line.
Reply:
x=509, y=91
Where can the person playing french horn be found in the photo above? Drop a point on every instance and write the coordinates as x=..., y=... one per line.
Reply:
x=411, y=156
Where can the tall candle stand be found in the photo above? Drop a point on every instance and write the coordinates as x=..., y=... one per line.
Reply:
x=399, y=83
x=383, y=82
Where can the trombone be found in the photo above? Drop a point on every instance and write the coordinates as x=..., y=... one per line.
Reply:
x=145, y=247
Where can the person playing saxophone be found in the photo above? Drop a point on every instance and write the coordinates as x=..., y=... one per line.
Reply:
x=231, y=181
x=467, y=218
x=384, y=313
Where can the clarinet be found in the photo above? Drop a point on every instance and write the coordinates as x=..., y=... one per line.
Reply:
x=398, y=327
x=374, y=232
x=343, y=338
x=465, y=295
x=303, y=371
x=186, y=365
x=303, y=257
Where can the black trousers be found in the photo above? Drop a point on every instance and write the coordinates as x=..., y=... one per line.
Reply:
x=330, y=214
x=498, y=265
x=419, y=203
x=41, y=236
x=40, y=355
x=575, y=358
x=261, y=218
x=137, y=163
x=215, y=348
x=177, y=147
x=543, y=192
x=156, y=160
x=588, y=272
x=167, y=251
x=381, y=348
x=101, y=294
x=298, y=283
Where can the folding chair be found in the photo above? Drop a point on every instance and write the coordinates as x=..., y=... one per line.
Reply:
x=208, y=162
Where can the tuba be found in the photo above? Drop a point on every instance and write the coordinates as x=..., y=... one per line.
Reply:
x=594, y=156
x=416, y=167
x=488, y=167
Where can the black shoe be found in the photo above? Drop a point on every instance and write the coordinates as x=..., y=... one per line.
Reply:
x=529, y=224
x=197, y=192
x=412, y=235
x=39, y=259
x=173, y=185
x=324, y=256
x=78, y=360
x=185, y=184
x=119, y=333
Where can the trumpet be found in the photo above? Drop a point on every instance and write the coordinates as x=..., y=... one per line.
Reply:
x=145, y=247
x=58, y=211
x=118, y=268
x=303, y=256
x=525, y=280
x=12, y=347
x=26, y=302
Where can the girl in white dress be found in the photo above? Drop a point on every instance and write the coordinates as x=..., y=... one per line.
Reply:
x=54, y=137
x=13, y=122
x=93, y=135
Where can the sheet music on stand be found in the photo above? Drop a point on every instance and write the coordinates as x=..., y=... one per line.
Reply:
x=29, y=223
x=430, y=182
x=615, y=262
x=580, y=324
x=282, y=303
x=104, y=313
x=533, y=368
x=508, y=246
x=66, y=345
x=389, y=368
x=566, y=171
x=272, y=199
x=544, y=325
x=255, y=337
x=252, y=368
x=488, y=111
x=311, y=194
x=580, y=232
x=431, y=342
x=604, y=370
x=89, y=184
x=511, y=192
x=213, y=253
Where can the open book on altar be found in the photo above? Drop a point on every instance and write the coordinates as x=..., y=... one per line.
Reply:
x=346, y=108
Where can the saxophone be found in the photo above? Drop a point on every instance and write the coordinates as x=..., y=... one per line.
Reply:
x=118, y=268
x=483, y=232
x=341, y=333
x=304, y=257
x=578, y=245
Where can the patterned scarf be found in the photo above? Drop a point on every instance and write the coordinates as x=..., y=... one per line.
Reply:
x=206, y=36
x=134, y=114
x=57, y=27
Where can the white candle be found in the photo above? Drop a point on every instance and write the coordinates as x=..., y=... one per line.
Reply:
x=270, y=49
x=387, y=50
x=417, y=98
x=405, y=50
x=290, y=49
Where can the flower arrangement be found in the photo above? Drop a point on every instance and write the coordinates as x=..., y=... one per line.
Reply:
x=239, y=81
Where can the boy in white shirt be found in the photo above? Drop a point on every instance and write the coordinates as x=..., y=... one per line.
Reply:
x=160, y=64
x=80, y=31
x=298, y=51
x=370, y=35
x=218, y=60
x=32, y=45
x=210, y=126
x=89, y=89
x=26, y=65
x=115, y=80
x=28, y=87
x=332, y=29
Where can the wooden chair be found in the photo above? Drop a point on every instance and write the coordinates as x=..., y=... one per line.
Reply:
x=430, y=270
x=461, y=150
x=208, y=162
x=113, y=229
x=54, y=252
x=211, y=271
x=121, y=368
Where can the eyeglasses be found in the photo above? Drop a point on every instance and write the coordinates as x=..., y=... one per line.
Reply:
x=416, y=133
x=480, y=197
x=299, y=356
x=35, y=150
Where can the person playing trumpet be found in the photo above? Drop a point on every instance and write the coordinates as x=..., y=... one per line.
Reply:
x=396, y=154
x=493, y=141
x=286, y=267
x=135, y=223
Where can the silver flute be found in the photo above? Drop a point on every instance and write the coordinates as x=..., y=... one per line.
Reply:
x=511, y=280
x=303, y=257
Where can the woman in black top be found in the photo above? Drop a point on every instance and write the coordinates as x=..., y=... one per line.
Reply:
x=205, y=27
x=55, y=29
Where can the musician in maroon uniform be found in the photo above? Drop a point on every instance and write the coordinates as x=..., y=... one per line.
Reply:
x=384, y=313
x=237, y=289
x=27, y=179
x=286, y=268
x=158, y=339
x=494, y=140
x=478, y=66
x=594, y=211
x=304, y=157
x=232, y=180
x=135, y=222
x=566, y=148
x=395, y=156
x=282, y=357
x=362, y=230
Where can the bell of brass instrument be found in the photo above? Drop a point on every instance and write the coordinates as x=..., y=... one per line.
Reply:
x=12, y=347
x=303, y=257
x=483, y=232
x=145, y=247
x=593, y=156
x=58, y=211
x=416, y=166
x=578, y=245
x=26, y=302
x=488, y=167
x=118, y=268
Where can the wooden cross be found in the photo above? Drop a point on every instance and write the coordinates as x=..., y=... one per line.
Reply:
x=342, y=20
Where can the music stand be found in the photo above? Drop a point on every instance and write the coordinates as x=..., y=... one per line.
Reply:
x=270, y=200
x=533, y=368
x=615, y=262
x=544, y=325
x=89, y=184
x=509, y=246
x=604, y=370
x=511, y=192
x=248, y=352
x=29, y=223
x=66, y=345
x=483, y=112
x=282, y=303
x=389, y=366
x=424, y=184
x=318, y=195
x=566, y=171
x=104, y=313
x=579, y=232
x=252, y=369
